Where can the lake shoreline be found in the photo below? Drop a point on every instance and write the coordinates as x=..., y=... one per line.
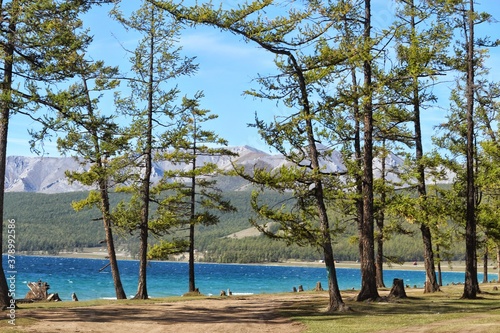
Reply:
x=455, y=266
x=86, y=278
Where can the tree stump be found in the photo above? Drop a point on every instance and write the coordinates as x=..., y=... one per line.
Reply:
x=194, y=293
x=318, y=286
x=54, y=298
x=398, y=289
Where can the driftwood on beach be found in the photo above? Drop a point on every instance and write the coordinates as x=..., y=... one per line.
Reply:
x=39, y=292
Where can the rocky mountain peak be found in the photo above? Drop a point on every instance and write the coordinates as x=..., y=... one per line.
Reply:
x=47, y=174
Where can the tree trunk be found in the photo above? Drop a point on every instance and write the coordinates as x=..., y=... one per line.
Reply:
x=498, y=262
x=379, y=263
x=4, y=125
x=335, y=298
x=431, y=284
x=4, y=120
x=485, y=265
x=440, y=274
x=357, y=152
x=471, y=285
x=359, y=162
x=192, y=285
x=368, y=283
x=335, y=302
x=379, y=259
x=120, y=293
x=142, y=292
x=5, y=99
x=105, y=206
x=115, y=273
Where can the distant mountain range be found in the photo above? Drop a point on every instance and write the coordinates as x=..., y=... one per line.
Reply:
x=47, y=174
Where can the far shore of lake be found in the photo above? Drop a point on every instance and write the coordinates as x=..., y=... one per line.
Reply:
x=100, y=253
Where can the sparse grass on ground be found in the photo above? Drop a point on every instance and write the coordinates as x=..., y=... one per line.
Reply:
x=440, y=312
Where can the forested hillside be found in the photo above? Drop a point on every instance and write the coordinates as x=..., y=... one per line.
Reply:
x=46, y=222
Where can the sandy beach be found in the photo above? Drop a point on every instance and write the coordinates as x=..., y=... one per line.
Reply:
x=257, y=313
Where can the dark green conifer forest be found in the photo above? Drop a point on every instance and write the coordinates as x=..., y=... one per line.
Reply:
x=47, y=224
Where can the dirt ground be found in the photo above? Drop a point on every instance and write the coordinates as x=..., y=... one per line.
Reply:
x=221, y=315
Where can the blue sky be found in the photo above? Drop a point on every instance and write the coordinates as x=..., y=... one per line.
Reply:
x=227, y=66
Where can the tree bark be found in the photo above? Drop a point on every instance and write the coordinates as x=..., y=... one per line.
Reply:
x=4, y=121
x=142, y=291
x=379, y=259
x=431, y=284
x=398, y=289
x=471, y=285
x=120, y=293
x=498, y=262
x=335, y=298
x=105, y=206
x=368, y=283
x=439, y=272
x=485, y=265
x=335, y=302
x=5, y=94
x=192, y=284
x=379, y=262
x=357, y=147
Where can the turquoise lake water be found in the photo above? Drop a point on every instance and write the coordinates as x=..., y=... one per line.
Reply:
x=83, y=277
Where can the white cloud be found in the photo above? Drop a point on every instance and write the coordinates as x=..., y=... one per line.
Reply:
x=208, y=43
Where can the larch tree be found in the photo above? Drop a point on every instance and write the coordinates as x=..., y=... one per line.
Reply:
x=39, y=43
x=195, y=151
x=96, y=141
x=461, y=129
x=420, y=52
x=343, y=107
x=471, y=285
x=156, y=61
x=488, y=115
x=296, y=135
x=366, y=230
